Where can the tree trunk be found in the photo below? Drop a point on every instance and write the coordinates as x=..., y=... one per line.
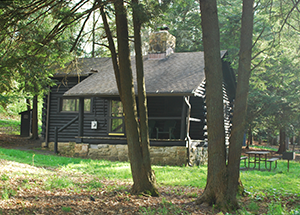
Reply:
x=223, y=181
x=35, y=134
x=215, y=189
x=28, y=105
x=29, y=114
x=143, y=179
x=282, y=137
x=240, y=105
x=142, y=100
x=250, y=137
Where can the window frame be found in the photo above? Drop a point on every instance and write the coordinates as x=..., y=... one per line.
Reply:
x=110, y=132
x=61, y=103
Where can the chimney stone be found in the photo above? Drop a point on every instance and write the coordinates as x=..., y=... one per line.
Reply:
x=161, y=44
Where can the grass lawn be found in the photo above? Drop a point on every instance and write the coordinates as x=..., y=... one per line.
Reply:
x=274, y=192
x=10, y=126
x=13, y=127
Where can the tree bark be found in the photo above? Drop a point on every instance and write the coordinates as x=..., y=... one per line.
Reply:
x=250, y=138
x=223, y=181
x=29, y=114
x=215, y=189
x=35, y=134
x=142, y=99
x=282, y=146
x=240, y=108
x=143, y=179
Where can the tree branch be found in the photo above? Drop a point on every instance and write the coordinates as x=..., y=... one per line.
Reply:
x=288, y=15
x=259, y=36
x=111, y=47
x=82, y=28
x=102, y=44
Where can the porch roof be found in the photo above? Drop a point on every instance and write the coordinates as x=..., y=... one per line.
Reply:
x=177, y=74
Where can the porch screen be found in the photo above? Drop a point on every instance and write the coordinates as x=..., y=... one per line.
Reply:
x=117, y=123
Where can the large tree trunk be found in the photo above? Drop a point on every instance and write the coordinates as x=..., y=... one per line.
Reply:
x=142, y=100
x=215, y=189
x=35, y=134
x=282, y=137
x=143, y=178
x=223, y=181
x=240, y=105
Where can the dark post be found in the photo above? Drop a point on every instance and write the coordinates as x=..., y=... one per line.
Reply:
x=188, y=116
x=55, y=140
x=183, y=119
x=80, y=118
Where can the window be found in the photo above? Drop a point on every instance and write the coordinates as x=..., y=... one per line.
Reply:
x=116, y=120
x=72, y=105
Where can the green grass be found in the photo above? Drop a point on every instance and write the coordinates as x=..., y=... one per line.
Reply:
x=254, y=181
x=167, y=175
x=275, y=148
x=279, y=179
x=10, y=126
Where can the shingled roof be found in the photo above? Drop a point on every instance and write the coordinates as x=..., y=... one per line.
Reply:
x=178, y=74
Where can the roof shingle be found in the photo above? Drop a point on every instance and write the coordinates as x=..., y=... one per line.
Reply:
x=178, y=74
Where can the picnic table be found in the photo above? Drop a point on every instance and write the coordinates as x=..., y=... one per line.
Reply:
x=258, y=157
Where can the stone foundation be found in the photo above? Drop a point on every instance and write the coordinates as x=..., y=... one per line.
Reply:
x=198, y=153
x=173, y=156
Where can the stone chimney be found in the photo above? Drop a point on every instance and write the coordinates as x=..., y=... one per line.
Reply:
x=161, y=44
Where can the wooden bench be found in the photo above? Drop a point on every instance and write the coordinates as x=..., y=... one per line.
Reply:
x=270, y=160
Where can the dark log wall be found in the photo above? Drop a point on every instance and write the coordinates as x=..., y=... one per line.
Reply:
x=197, y=129
x=59, y=119
x=160, y=109
x=229, y=89
x=228, y=111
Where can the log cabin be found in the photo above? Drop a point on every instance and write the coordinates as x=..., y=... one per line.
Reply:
x=84, y=106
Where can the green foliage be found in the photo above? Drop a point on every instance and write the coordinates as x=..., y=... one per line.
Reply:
x=29, y=48
x=273, y=101
x=183, y=19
